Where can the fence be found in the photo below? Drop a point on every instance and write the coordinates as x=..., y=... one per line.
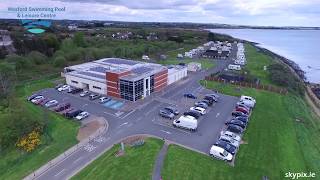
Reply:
x=250, y=85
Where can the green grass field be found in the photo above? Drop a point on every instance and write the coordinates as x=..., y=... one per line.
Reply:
x=255, y=63
x=15, y=164
x=277, y=143
x=137, y=163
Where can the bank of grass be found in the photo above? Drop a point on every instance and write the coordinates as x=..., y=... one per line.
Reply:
x=277, y=142
x=255, y=63
x=137, y=163
x=61, y=135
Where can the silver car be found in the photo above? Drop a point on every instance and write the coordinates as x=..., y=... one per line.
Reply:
x=51, y=103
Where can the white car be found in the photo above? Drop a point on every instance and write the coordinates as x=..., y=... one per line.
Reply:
x=231, y=135
x=36, y=99
x=82, y=115
x=84, y=93
x=200, y=110
x=63, y=88
x=51, y=103
x=247, y=98
x=220, y=153
x=230, y=140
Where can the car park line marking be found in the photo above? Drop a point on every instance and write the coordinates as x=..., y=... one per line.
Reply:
x=165, y=131
x=218, y=114
x=167, y=126
x=60, y=172
x=75, y=161
x=123, y=124
x=84, y=105
x=110, y=114
x=128, y=114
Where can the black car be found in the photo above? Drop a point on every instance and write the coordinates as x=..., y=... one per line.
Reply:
x=212, y=98
x=193, y=114
x=226, y=146
x=209, y=103
x=74, y=113
x=172, y=110
x=238, y=113
x=62, y=107
x=76, y=90
x=243, y=119
x=237, y=122
x=235, y=129
x=189, y=95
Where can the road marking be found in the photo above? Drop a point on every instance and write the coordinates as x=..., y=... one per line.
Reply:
x=60, y=172
x=84, y=105
x=123, y=124
x=171, y=127
x=165, y=131
x=77, y=160
x=99, y=139
x=119, y=113
x=110, y=114
x=218, y=114
x=128, y=114
x=89, y=147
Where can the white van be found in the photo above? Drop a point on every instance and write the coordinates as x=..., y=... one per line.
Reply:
x=234, y=67
x=220, y=153
x=186, y=122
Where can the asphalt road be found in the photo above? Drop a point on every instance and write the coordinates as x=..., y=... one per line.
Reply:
x=145, y=120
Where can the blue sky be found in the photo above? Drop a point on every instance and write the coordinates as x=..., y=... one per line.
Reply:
x=244, y=12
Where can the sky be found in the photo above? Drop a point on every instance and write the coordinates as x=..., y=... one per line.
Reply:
x=240, y=12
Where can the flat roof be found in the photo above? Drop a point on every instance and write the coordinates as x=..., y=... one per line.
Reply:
x=96, y=70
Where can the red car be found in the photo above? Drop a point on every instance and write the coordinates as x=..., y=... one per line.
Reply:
x=241, y=109
x=40, y=101
x=241, y=106
x=62, y=107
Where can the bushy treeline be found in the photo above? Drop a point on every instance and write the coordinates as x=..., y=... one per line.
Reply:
x=283, y=76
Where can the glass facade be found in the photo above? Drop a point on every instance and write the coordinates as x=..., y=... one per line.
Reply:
x=138, y=89
x=126, y=90
x=152, y=84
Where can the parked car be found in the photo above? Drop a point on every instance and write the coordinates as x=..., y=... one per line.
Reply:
x=43, y=102
x=209, y=103
x=103, y=100
x=173, y=110
x=32, y=96
x=64, y=112
x=74, y=90
x=214, y=95
x=74, y=113
x=63, y=88
x=202, y=111
x=186, y=122
x=235, y=129
x=241, y=109
x=248, y=103
x=212, y=98
x=226, y=146
x=193, y=114
x=229, y=140
x=243, y=106
x=51, y=103
x=247, y=98
x=58, y=86
x=189, y=95
x=220, y=153
x=166, y=114
x=237, y=122
x=38, y=102
x=238, y=113
x=243, y=119
x=82, y=115
x=94, y=96
x=62, y=107
x=231, y=135
x=84, y=93
x=36, y=99
x=201, y=104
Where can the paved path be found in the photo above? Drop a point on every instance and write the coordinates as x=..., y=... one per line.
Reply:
x=159, y=162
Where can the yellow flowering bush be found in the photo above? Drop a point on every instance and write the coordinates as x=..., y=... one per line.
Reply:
x=29, y=142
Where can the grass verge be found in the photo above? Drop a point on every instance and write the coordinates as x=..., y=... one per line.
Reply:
x=137, y=163
x=61, y=135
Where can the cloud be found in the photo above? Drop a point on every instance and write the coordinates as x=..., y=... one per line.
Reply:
x=247, y=12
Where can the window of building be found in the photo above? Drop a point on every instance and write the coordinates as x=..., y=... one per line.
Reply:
x=126, y=90
x=75, y=82
x=138, y=89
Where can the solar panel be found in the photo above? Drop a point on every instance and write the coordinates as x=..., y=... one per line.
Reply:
x=92, y=75
x=120, y=61
x=99, y=69
x=141, y=70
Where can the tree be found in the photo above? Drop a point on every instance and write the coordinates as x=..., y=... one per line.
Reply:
x=7, y=79
x=79, y=40
x=59, y=61
x=37, y=57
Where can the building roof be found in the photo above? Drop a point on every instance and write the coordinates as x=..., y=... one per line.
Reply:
x=96, y=70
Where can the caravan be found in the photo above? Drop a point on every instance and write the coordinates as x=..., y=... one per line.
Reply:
x=234, y=67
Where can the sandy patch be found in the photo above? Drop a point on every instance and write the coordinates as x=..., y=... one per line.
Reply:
x=88, y=129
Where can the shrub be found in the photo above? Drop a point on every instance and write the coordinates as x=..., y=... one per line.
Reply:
x=29, y=142
x=37, y=57
x=59, y=61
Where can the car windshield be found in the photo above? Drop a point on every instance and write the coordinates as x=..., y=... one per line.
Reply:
x=225, y=153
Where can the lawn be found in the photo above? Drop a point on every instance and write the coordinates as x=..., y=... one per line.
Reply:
x=277, y=142
x=255, y=63
x=137, y=163
x=15, y=164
